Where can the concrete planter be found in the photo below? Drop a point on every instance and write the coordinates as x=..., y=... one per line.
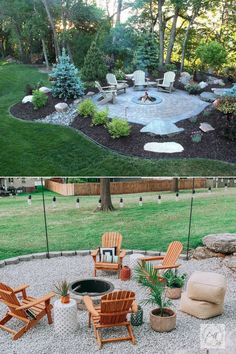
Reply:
x=163, y=324
x=173, y=293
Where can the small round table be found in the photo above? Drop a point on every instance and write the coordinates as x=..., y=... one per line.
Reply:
x=65, y=317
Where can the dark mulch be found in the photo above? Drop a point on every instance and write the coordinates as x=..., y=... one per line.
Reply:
x=213, y=144
x=26, y=111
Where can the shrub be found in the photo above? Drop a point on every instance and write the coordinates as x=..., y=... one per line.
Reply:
x=212, y=55
x=226, y=105
x=87, y=108
x=118, y=128
x=230, y=73
x=66, y=82
x=170, y=67
x=120, y=75
x=100, y=118
x=29, y=88
x=193, y=89
x=94, y=64
x=39, y=99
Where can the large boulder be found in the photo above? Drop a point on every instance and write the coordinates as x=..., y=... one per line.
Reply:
x=61, y=107
x=185, y=78
x=230, y=262
x=203, y=84
x=204, y=252
x=45, y=89
x=28, y=98
x=223, y=243
x=208, y=97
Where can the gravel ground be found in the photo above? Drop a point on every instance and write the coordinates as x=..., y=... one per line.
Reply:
x=42, y=274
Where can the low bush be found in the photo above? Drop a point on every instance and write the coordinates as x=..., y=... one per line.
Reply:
x=118, y=128
x=170, y=67
x=230, y=73
x=100, y=118
x=120, y=75
x=29, y=88
x=39, y=99
x=193, y=89
x=87, y=108
x=226, y=105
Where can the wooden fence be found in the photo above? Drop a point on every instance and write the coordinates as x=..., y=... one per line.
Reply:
x=126, y=187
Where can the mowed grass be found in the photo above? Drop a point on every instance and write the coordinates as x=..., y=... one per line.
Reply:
x=150, y=227
x=33, y=149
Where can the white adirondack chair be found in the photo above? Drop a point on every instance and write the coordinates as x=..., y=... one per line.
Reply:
x=139, y=79
x=108, y=93
x=167, y=83
x=120, y=85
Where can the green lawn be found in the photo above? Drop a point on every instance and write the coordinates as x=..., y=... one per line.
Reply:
x=32, y=149
x=150, y=227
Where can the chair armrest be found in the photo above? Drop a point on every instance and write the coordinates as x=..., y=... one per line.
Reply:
x=154, y=258
x=159, y=80
x=122, y=253
x=167, y=267
x=89, y=305
x=37, y=301
x=134, y=307
x=94, y=253
x=122, y=81
x=108, y=87
x=20, y=288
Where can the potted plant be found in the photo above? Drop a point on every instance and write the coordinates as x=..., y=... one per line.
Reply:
x=162, y=318
x=62, y=289
x=174, y=284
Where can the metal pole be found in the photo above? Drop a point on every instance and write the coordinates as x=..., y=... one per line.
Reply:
x=45, y=220
x=190, y=222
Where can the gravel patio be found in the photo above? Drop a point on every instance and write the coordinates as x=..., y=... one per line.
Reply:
x=41, y=275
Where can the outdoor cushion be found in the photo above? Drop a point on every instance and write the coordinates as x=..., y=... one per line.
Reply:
x=200, y=309
x=207, y=286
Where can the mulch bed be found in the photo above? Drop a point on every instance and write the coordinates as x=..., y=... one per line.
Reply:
x=213, y=145
x=26, y=111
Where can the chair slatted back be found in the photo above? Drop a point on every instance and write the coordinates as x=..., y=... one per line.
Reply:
x=115, y=306
x=98, y=86
x=111, y=79
x=112, y=239
x=173, y=252
x=139, y=77
x=9, y=298
x=169, y=77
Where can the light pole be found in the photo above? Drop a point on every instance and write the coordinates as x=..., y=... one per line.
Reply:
x=45, y=219
x=190, y=220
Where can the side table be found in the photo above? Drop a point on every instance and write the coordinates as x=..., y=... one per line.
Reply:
x=65, y=317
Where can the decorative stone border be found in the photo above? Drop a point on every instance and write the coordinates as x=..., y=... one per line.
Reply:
x=53, y=254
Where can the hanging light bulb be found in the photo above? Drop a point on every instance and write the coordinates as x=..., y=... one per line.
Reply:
x=209, y=190
x=226, y=187
x=77, y=203
x=159, y=199
x=100, y=203
x=29, y=200
x=121, y=203
x=222, y=180
x=177, y=196
x=193, y=191
x=140, y=201
x=54, y=199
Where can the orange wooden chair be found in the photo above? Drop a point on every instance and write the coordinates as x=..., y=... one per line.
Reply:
x=30, y=310
x=109, y=239
x=168, y=261
x=112, y=312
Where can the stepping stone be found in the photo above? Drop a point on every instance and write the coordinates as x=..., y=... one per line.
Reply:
x=168, y=147
x=90, y=93
x=61, y=107
x=160, y=127
x=45, y=89
x=208, y=97
x=205, y=127
x=27, y=99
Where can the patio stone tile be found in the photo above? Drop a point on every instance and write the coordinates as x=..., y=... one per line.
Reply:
x=40, y=255
x=13, y=260
x=2, y=264
x=68, y=253
x=27, y=257
x=83, y=252
x=54, y=254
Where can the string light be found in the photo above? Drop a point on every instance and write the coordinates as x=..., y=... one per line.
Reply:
x=177, y=197
x=121, y=203
x=209, y=190
x=100, y=203
x=77, y=203
x=226, y=186
x=140, y=201
x=54, y=199
x=29, y=200
x=159, y=199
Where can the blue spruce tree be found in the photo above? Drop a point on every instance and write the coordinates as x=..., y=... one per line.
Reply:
x=66, y=81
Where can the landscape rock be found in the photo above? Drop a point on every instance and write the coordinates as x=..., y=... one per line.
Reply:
x=223, y=243
x=28, y=98
x=45, y=89
x=203, y=84
x=206, y=127
x=215, y=81
x=77, y=101
x=185, y=78
x=208, y=97
x=230, y=262
x=168, y=148
x=90, y=93
x=204, y=252
x=61, y=107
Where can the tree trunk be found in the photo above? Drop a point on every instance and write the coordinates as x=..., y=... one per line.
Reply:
x=119, y=10
x=50, y=19
x=161, y=33
x=172, y=37
x=105, y=194
x=185, y=42
x=45, y=53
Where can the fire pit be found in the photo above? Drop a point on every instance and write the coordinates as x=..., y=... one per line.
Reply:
x=93, y=287
x=146, y=99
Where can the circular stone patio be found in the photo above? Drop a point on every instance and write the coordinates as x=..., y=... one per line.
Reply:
x=175, y=106
x=42, y=339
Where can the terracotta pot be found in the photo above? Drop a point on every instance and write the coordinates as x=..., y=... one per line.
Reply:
x=163, y=324
x=65, y=299
x=125, y=273
x=173, y=293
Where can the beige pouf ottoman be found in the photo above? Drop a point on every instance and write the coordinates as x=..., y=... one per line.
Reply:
x=204, y=296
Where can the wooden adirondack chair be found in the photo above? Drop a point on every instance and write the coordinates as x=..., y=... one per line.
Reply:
x=109, y=239
x=139, y=79
x=112, y=312
x=168, y=261
x=120, y=85
x=167, y=83
x=30, y=310
x=108, y=93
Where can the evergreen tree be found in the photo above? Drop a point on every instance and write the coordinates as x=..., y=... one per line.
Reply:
x=66, y=82
x=94, y=64
x=146, y=57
